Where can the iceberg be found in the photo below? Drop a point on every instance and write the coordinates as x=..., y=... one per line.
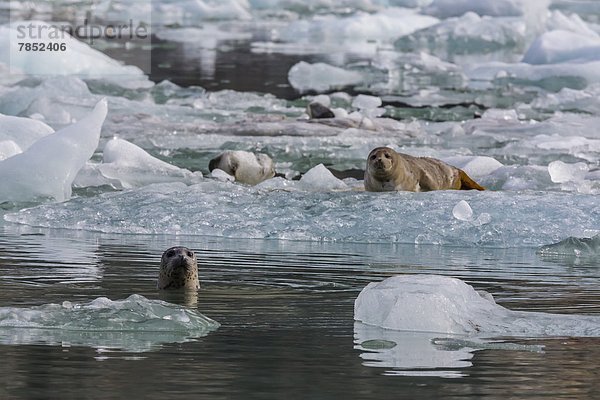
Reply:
x=125, y=165
x=48, y=167
x=440, y=304
x=136, y=324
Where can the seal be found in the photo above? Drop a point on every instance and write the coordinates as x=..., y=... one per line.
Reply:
x=178, y=269
x=389, y=171
x=244, y=166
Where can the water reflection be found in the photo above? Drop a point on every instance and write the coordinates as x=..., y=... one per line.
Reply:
x=413, y=355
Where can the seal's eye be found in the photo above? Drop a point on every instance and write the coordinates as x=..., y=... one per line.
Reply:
x=373, y=157
x=190, y=254
x=387, y=155
x=170, y=253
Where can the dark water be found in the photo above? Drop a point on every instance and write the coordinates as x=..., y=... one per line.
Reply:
x=286, y=314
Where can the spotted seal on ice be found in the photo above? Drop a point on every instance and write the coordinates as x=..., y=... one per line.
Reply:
x=244, y=166
x=389, y=171
x=178, y=269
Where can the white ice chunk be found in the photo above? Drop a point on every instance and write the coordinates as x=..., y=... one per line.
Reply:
x=320, y=178
x=135, y=324
x=455, y=8
x=23, y=132
x=561, y=46
x=321, y=77
x=462, y=211
x=432, y=303
x=561, y=172
x=77, y=59
x=474, y=166
x=125, y=165
x=8, y=148
x=366, y=102
x=49, y=166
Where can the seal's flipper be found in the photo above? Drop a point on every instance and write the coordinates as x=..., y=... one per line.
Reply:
x=466, y=183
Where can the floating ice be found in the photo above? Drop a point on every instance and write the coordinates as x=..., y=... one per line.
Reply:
x=561, y=172
x=358, y=33
x=560, y=46
x=466, y=34
x=567, y=99
x=572, y=246
x=135, y=324
x=474, y=166
x=125, y=165
x=22, y=132
x=8, y=148
x=320, y=178
x=321, y=77
x=78, y=58
x=462, y=211
x=431, y=303
x=517, y=219
x=455, y=8
x=49, y=166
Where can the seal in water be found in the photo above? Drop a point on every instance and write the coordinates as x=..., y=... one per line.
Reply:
x=389, y=171
x=245, y=166
x=178, y=269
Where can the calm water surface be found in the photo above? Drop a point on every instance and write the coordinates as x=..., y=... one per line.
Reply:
x=286, y=314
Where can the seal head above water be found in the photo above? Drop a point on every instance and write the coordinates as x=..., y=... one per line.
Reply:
x=178, y=269
x=389, y=171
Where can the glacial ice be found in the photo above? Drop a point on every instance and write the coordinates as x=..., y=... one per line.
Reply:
x=136, y=324
x=561, y=172
x=320, y=178
x=573, y=246
x=125, y=165
x=78, y=59
x=561, y=46
x=440, y=304
x=454, y=8
x=360, y=33
x=462, y=211
x=508, y=219
x=49, y=166
x=468, y=33
x=22, y=132
x=321, y=77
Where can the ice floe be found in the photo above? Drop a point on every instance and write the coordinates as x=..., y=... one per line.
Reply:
x=438, y=304
x=136, y=324
x=504, y=219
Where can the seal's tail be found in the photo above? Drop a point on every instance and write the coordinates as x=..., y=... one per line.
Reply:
x=466, y=183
